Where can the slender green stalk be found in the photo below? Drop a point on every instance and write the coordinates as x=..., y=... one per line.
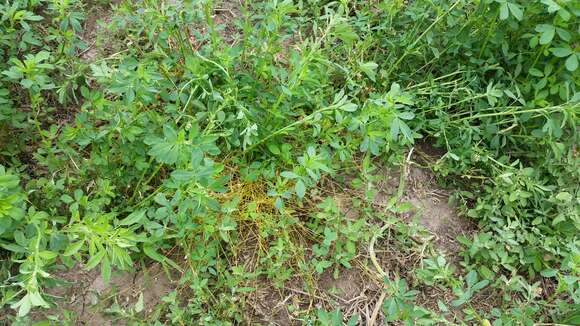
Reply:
x=411, y=47
x=511, y=112
x=289, y=127
x=141, y=183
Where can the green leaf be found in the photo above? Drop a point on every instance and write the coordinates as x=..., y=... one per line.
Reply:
x=558, y=219
x=345, y=32
x=133, y=218
x=13, y=73
x=572, y=62
x=67, y=199
x=442, y=306
x=406, y=131
x=106, y=269
x=552, y=5
x=152, y=253
x=504, y=11
x=273, y=148
x=395, y=128
x=95, y=260
x=462, y=299
x=167, y=150
x=139, y=306
x=564, y=34
x=516, y=10
x=329, y=236
x=406, y=115
x=480, y=285
x=37, y=300
x=13, y=247
x=536, y=72
x=369, y=69
x=48, y=255
x=34, y=18
x=289, y=175
x=26, y=83
x=349, y=107
x=471, y=278
x=573, y=318
x=322, y=265
x=547, y=33
x=183, y=175
x=354, y=319
x=73, y=248
x=300, y=189
x=23, y=305
x=42, y=55
x=561, y=52
x=549, y=272
x=564, y=196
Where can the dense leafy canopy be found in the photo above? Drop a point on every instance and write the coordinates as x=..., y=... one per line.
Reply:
x=186, y=131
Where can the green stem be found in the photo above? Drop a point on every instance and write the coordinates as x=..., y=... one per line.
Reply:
x=537, y=57
x=412, y=45
x=151, y=195
x=140, y=183
x=456, y=103
x=288, y=127
x=487, y=115
x=436, y=79
x=210, y=23
x=487, y=37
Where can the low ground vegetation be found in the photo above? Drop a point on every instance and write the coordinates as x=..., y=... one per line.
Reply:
x=289, y=162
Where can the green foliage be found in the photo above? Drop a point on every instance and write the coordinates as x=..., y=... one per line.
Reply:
x=340, y=237
x=12, y=208
x=399, y=305
x=437, y=271
x=189, y=136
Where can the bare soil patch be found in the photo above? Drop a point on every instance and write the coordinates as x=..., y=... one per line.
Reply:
x=87, y=295
x=431, y=204
x=94, y=30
